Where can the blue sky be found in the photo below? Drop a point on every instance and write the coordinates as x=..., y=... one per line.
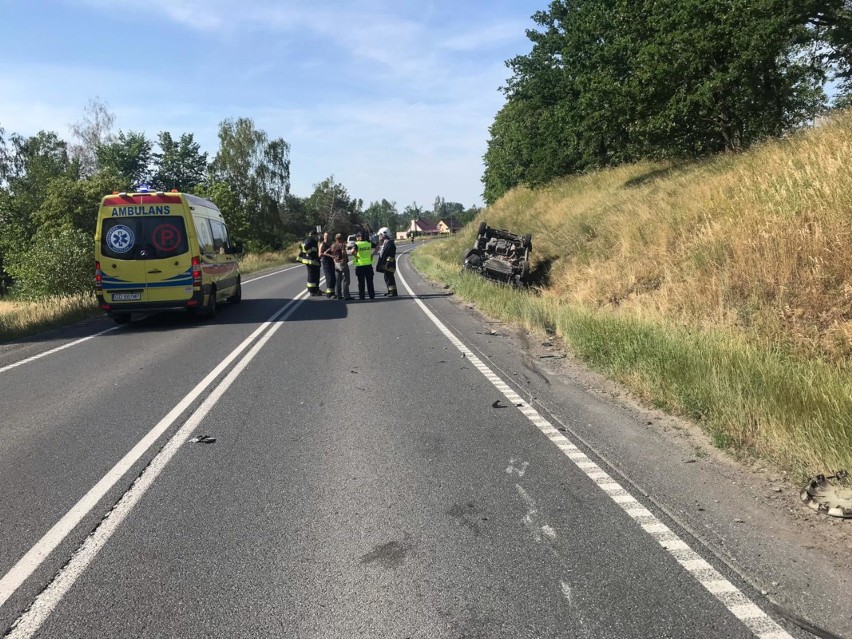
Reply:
x=392, y=98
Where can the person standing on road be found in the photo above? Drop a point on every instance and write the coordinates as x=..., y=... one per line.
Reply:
x=340, y=256
x=327, y=265
x=364, y=265
x=387, y=260
x=309, y=256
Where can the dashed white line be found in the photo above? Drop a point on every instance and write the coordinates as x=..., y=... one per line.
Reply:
x=761, y=624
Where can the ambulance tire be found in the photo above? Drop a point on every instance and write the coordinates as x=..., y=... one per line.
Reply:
x=212, y=304
x=237, y=297
x=120, y=318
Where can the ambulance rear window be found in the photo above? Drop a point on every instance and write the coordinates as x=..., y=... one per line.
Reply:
x=143, y=237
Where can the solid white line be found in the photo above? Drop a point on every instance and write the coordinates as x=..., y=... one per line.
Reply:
x=30, y=622
x=760, y=624
x=25, y=566
x=283, y=270
x=109, y=330
x=56, y=350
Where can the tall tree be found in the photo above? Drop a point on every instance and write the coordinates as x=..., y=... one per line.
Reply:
x=179, y=164
x=257, y=170
x=610, y=81
x=92, y=132
x=331, y=207
x=128, y=156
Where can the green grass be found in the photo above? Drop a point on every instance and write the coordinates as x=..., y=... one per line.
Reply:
x=752, y=400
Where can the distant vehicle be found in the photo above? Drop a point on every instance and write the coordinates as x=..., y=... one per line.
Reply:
x=159, y=251
x=352, y=238
x=500, y=255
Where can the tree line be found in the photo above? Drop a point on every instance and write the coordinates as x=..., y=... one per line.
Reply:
x=614, y=81
x=50, y=189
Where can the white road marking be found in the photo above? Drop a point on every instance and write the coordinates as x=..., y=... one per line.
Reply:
x=109, y=330
x=55, y=350
x=29, y=623
x=761, y=624
x=25, y=566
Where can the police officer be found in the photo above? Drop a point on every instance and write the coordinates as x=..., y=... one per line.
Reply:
x=309, y=256
x=364, y=265
x=387, y=260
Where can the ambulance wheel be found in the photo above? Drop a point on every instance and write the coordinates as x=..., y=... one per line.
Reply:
x=237, y=297
x=120, y=318
x=212, y=307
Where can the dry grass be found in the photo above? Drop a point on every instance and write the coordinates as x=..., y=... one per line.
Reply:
x=738, y=269
x=18, y=319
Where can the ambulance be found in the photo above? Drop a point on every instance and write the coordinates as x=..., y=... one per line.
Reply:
x=163, y=251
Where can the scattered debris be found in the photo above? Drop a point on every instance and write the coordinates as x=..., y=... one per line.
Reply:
x=497, y=404
x=830, y=495
x=547, y=343
x=203, y=439
x=690, y=461
x=551, y=357
x=739, y=521
x=463, y=356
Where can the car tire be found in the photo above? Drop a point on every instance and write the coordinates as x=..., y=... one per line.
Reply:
x=472, y=259
x=237, y=297
x=482, y=227
x=526, y=242
x=212, y=304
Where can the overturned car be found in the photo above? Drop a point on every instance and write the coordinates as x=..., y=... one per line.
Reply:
x=500, y=255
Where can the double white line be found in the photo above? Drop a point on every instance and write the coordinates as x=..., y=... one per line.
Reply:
x=29, y=623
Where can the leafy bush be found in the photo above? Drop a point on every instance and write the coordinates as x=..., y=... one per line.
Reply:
x=58, y=263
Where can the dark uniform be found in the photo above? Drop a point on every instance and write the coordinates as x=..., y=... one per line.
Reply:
x=387, y=265
x=327, y=266
x=309, y=256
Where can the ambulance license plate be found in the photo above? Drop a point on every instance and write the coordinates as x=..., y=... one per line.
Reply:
x=126, y=297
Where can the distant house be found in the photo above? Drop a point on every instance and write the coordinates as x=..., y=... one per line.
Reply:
x=449, y=227
x=422, y=227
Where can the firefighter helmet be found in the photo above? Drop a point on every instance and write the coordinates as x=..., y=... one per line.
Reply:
x=384, y=232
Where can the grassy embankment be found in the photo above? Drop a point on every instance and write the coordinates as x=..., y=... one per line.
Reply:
x=19, y=318
x=719, y=290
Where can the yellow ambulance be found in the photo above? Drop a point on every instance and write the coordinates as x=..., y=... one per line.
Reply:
x=158, y=251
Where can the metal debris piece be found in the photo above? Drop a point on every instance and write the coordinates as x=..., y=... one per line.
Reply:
x=830, y=495
x=202, y=439
x=497, y=404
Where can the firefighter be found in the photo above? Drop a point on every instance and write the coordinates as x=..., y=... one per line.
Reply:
x=387, y=260
x=309, y=256
x=364, y=265
x=327, y=265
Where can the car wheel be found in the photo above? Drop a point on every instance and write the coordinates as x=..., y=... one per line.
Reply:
x=526, y=241
x=482, y=227
x=237, y=297
x=212, y=305
x=472, y=259
x=525, y=271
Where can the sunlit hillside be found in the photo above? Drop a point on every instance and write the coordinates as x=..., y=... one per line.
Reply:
x=760, y=242
x=721, y=290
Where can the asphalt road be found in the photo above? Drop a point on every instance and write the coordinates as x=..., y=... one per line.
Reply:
x=361, y=484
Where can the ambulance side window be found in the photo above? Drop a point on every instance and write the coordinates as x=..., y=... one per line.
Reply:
x=205, y=237
x=220, y=236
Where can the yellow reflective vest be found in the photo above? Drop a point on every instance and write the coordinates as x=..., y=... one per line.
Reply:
x=364, y=256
